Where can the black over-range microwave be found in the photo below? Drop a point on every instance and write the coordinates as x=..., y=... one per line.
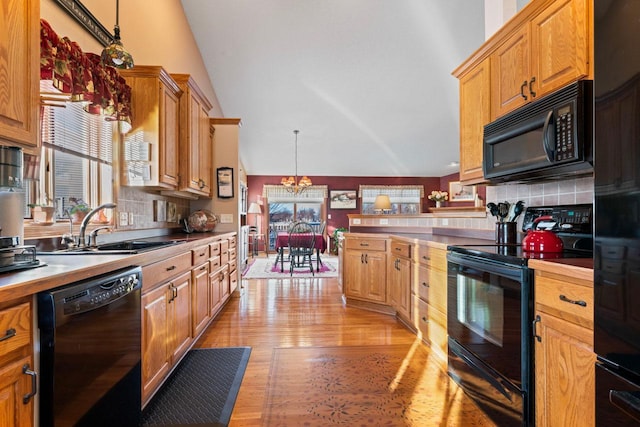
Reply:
x=547, y=138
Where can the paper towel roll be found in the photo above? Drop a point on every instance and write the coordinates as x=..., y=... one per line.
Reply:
x=12, y=214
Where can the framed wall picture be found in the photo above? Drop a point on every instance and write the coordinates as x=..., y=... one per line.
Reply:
x=225, y=183
x=343, y=199
x=461, y=193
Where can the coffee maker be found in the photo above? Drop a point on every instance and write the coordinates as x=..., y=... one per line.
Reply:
x=13, y=254
x=12, y=201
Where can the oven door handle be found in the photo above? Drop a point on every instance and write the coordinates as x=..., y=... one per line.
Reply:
x=485, y=265
x=626, y=402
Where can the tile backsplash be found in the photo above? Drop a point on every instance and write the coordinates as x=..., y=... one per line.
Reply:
x=567, y=191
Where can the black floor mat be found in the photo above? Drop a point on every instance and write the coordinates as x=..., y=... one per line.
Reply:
x=201, y=391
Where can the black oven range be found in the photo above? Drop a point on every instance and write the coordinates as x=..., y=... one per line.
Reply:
x=490, y=313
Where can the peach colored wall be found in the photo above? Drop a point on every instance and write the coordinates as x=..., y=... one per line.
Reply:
x=155, y=34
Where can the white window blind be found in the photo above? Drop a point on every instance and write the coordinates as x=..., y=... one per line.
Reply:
x=279, y=194
x=396, y=193
x=78, y=148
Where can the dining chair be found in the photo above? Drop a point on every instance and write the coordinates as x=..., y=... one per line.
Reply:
x=301, y=245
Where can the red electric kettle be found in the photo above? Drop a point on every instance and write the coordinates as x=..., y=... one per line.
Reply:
x=541, y=240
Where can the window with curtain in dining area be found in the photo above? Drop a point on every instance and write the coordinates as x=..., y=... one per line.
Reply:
x=405, y=199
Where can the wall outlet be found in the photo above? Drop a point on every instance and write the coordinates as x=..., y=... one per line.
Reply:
x=130, y=218
x=384, y=222
x=124, y=219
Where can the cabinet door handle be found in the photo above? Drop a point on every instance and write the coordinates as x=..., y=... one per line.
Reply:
x=522, y=90
x=361, y=258
x=10, y=333
x=571, y=301
x=533, y=94
x=201, y=183
x=366, y=258
x=533, y=327
x=34, y=383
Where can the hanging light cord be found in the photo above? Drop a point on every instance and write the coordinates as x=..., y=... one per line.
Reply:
x=296, y=154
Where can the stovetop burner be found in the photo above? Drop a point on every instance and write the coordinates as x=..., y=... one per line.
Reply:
x=572, y=223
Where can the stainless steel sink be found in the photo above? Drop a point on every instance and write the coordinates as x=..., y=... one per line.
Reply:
x=122, y=248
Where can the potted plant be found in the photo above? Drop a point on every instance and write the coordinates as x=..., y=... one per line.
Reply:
x=78, y=210
x=42, y=214
x=438, y=197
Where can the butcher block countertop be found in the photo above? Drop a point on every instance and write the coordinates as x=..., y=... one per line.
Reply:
x=64, y=269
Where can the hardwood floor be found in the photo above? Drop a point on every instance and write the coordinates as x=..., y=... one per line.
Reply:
x=316, y=362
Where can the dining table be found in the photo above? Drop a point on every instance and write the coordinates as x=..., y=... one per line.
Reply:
x=282, y=242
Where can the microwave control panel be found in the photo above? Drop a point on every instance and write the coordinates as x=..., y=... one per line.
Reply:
x=565, y=147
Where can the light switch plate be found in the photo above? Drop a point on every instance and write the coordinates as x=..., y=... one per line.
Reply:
x=226, y=218
x=124, y=219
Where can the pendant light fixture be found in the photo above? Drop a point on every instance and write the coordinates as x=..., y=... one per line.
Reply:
x=292, y=184
x=114, y=54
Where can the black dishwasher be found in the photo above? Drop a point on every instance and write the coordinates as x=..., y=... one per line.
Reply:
x=90, y=369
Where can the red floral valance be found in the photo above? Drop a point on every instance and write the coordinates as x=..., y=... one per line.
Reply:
x=83, y=76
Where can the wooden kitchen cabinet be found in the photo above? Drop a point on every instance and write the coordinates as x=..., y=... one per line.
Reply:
x=201, y=315
x=564, y=357
x=429, y=299
x=195, y=138
x=151, y=153
x=547, y=52
x=16, y=362
x=20, y=74
x=399, y=275
x=365, y=269
x=166, y=319
x=475, y=113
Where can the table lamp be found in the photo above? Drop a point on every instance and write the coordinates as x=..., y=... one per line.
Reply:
x=254, y=208
x=382, y=203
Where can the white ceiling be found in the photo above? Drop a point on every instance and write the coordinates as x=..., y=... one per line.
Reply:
x=367, y=82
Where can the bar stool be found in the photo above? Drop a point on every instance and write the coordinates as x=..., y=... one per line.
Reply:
x=254, y=241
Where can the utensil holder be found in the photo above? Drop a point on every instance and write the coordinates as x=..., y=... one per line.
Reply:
x=506, y=233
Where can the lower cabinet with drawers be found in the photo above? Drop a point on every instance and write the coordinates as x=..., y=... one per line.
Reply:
x=563, y=340
x=17, y=376
x=180, y=297
x=429, y=297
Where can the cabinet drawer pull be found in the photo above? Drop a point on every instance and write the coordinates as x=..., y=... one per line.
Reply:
x=398, y=249
x=10, y=333
x=203, y=268
x=533, y=94
x=522, y=90
x=173, y=267
x=201, y=255
x=425, y=284
x=571, y=301
x=426, y=258
x=364, y=244
x=533, y=327
x=424, y=319
x=34, y=383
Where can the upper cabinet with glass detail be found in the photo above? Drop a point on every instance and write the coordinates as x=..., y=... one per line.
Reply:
x=19, y=74
x=151, y=154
